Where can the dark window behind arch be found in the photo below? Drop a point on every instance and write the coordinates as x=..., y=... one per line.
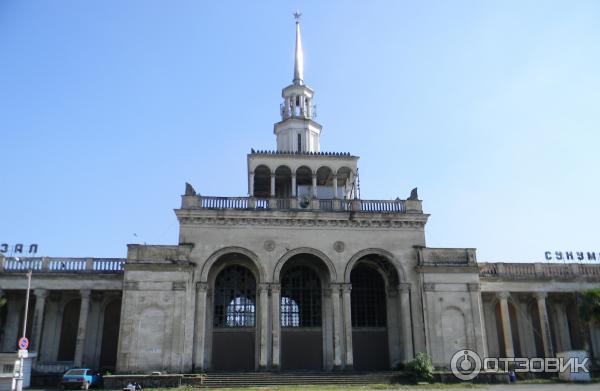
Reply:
x=300, y=298
x=367, y=297
x=235, y=298
x=68, y=332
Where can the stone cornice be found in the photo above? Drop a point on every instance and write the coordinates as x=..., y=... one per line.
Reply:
x=301, y=219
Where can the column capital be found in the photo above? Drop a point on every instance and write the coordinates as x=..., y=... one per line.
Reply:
x=40, y=293
x=404, y=287
x=85, y=293
x=346, y=288
x=392, y=292
x=503, y=295
x=262, y=287
x=473, y=287
x=540, y=295
x=275, y=287
x=202, y=286
x=335, y=286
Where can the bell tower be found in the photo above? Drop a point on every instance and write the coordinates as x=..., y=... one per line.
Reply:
x=297, y=131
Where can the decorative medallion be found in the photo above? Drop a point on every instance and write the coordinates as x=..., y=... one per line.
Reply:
x=339, y=246
x=269, y=245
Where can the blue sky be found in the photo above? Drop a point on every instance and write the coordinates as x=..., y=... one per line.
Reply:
x=490, y=108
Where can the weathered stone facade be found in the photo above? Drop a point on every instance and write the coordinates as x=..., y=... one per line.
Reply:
x=300, y=274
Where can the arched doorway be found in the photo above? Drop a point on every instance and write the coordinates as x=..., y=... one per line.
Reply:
x=369, y=319
x=234, y=320
x=68, y=331
x=301, y=313
x=110, y=334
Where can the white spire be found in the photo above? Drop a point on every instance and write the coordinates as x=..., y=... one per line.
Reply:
x=299, y=59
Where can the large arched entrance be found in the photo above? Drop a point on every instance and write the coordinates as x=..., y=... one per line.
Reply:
x=234, y=319
x=302, y=312
x=375, y=309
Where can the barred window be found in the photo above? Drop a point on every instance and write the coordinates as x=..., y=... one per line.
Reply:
x=235, y=298
x=292, y=313
x=368, y=297
x=300, y=298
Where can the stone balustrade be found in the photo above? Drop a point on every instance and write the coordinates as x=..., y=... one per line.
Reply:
x=525, y=271
x=310, y=204
x=62, y=265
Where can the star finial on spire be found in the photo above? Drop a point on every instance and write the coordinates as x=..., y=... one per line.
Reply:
x=297, y=16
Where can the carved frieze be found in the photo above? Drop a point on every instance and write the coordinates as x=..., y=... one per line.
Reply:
x=274, y=222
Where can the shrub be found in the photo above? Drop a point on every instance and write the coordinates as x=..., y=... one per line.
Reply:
x=421, y=368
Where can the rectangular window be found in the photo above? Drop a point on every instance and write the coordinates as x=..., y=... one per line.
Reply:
x=299, y=142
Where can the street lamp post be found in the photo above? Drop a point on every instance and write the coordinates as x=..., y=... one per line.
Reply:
x=17, y=384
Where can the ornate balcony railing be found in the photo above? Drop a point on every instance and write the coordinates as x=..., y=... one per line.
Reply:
x=525, y=271
x=62, y=265
x=314, y=204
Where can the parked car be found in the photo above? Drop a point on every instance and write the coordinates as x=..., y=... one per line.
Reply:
x=83, y=378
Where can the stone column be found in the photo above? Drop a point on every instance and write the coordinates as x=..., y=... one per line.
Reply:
x=478, y=323
x=251, y=184
x=272, y=184
x=544, y=323
x=354, y=186
x=314, y=185
x=346, y=295
x=505, y=320
x=263, y=293
x=293, y=185
x=337, y=330
x=276, y=326
x=200, y=322
x=562, y=326
x=38, y=320
x=405, y=320
x=82, y=328
x=335, y=189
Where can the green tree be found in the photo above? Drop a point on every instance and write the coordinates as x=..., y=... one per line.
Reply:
x=589, y=306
